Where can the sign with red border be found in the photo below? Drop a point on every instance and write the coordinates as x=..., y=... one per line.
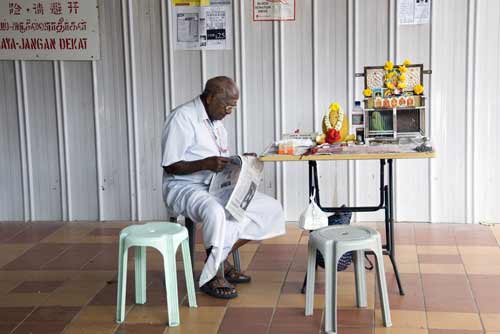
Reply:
x=273, y=10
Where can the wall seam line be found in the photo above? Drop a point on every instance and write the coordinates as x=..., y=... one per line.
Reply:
x=469, y=117
x=244, y=144
x=129, y=105
x=98, y=151
x=56, y=66
x=133, y=78
x=28, y=139
x=282, y=108
x=25, y=173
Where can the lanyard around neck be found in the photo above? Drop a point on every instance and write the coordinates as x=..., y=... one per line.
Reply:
x=215, y=138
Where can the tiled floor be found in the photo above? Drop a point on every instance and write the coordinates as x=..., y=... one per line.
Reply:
x=61, y=278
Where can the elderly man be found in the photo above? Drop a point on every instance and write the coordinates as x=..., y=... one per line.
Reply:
x=194, y=146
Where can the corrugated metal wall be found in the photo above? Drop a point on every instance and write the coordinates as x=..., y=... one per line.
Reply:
x=81, y=140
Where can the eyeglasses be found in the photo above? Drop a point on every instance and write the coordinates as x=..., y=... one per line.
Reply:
x=227, y=107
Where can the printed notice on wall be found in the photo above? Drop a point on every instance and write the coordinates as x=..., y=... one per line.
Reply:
x=49, y=30
x=203, y=24
x=414, y=11
x=273, y=10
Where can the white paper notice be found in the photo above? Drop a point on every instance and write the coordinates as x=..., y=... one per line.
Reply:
x=406, y=10
x=414, y=11
x=187, y=27
x=422, y=11
x=272, y=10
x=203, y=27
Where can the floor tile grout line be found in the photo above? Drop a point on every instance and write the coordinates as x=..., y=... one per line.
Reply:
x=421, y=281
x=53, y=232
x=6, y=241
x=478, y=311
x=468, y=280
x=94, y=257
x=492, y=229
x=282, y=286
x=24, y=319
x=21, y=254
x=64, y=251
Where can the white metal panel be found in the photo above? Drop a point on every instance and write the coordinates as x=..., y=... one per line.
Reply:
x=187, y=69
x=187, y=74
x=80, y=141
x=372, y=48
x=297, y=100
x=486, y=115
x=45, y=183
x=448, y=110
x=412, y=188
x=11, y=183
x=222, y=63
x=330, y=26
x=114, y=184
x=259, y=90
x=98, y=125
x=150, y=104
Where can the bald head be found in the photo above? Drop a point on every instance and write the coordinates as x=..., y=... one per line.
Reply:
x=219, y=96
x=222, y=87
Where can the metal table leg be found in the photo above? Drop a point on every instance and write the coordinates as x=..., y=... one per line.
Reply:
x=390, y=236
x=386, y=203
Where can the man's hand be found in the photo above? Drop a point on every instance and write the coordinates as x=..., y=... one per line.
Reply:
x=215, y=164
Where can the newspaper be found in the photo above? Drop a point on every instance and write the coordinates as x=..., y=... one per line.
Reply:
x=236, y=185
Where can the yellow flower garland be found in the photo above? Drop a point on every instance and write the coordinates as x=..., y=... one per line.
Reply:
x=395, y=77
x=326, y=119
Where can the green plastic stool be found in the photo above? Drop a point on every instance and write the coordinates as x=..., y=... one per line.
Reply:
x=166, y=238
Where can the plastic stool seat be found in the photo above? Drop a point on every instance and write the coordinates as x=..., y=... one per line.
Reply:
x=154, y=232
x=343, y=234
x=333, y=242
x=166, y=238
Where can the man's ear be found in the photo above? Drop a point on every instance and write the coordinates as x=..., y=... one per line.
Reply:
x=209, y=99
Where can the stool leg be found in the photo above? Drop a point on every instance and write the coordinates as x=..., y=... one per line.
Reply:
x=140, y=275
x=171, y=285
x=236, y=260
x=311, y=273
x=330, y=291
x=382, y=287
x=188, y=272
x=360, y=279
x=191, y=227
x=122, y=283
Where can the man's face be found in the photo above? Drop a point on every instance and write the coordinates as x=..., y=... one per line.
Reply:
x=220, y=107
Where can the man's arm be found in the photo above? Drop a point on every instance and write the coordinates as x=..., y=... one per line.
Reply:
x=215, y=164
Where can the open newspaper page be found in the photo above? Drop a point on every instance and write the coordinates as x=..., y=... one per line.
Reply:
x=236, y=185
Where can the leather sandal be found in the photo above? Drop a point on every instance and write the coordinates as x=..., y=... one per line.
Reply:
x=219, y=288
x=236, y=277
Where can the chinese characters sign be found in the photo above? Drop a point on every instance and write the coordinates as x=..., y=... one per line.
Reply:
x=49, y=29
x=273, y=10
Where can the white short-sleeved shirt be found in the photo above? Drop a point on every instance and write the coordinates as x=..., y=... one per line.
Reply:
x=189, y=135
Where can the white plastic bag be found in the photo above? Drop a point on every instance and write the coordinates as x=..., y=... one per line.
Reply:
x=313, y=217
